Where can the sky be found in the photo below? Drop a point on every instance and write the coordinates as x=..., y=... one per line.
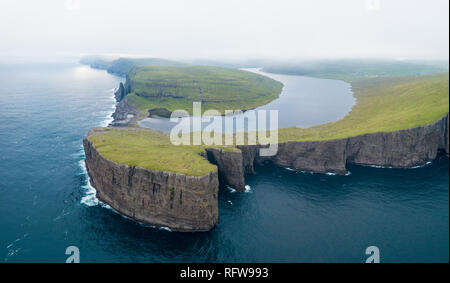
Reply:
x=226, y=29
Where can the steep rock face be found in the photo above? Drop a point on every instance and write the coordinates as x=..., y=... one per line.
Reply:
x=230, y=165
x=320, y=157
x=399, y=149
x=125, y=114
x=249, y=154
x=163, y=199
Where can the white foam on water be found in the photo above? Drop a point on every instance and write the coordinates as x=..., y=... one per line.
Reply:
x=247, y=188
x=90, y=198
x=107, y=121
x=134, y=221
x=327, y=173
x=378, y=166
x=420, y=166
x=165, y=228
x=230, y=202
x=231, y=189
x=109, y=113
x=80, y=153
x=90, y=194
x=390, y=167
x=12, y=250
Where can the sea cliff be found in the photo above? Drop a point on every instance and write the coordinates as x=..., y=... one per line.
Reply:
x=400, y=149
x=153, y=197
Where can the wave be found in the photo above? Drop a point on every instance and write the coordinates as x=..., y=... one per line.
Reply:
x=390, y=167
x=231, y=189
x=313, y=173
x=420, y=166
x=90, y=194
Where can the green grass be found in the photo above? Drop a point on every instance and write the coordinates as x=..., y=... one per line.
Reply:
x=217, y=88
x=151, y=150
x=384, y=105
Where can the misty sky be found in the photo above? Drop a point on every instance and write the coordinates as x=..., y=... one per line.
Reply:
x=226, y=29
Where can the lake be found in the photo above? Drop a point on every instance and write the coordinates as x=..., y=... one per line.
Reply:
x=303, y=102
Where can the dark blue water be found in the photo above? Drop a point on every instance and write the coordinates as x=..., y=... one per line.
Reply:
x=46, y=110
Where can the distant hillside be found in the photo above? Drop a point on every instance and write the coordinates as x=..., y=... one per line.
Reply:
x=121, y=66
x=384, y=104
x=348, y=70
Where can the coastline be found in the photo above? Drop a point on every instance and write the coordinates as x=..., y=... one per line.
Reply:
x=406, y=148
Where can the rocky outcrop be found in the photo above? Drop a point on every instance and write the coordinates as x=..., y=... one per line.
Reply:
x=125, y=114
x=158, y=198
x=399, y=149
x=120, y=93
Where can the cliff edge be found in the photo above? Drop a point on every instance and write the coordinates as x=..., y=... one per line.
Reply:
x=158, y=198
x=400, y=149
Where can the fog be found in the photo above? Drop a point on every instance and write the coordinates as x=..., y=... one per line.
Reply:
x=226, y=29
